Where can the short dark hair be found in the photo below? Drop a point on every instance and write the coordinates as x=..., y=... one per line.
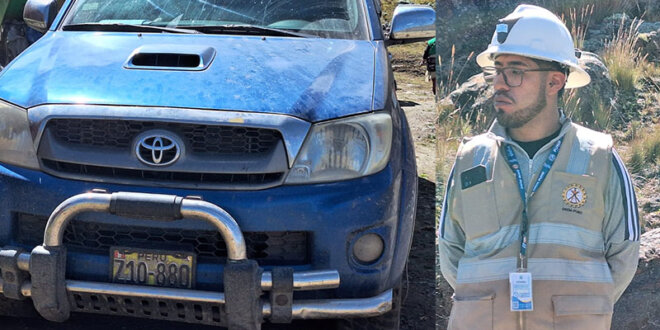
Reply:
x=555, y=66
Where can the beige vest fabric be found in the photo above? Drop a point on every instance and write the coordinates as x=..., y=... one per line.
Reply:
x=571, y=280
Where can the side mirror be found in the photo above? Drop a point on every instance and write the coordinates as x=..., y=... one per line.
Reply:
x=412, y=23
x=40, y=14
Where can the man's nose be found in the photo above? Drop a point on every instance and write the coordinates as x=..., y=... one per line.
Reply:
x=499, y=83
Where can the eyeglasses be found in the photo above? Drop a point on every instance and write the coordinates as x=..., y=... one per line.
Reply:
x=513, y=77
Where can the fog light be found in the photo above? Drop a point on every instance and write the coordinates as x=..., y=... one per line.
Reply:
x=368, y=248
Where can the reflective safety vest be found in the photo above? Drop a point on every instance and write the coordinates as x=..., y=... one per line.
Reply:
x=572, y=234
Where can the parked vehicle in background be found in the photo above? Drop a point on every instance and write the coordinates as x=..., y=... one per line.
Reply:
x=15, y=36
x=216, y=162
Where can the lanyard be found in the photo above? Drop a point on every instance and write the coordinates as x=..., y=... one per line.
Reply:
x=515, y=167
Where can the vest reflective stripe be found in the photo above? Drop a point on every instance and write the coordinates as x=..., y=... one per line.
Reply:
x=567, y=235
x=485, y=270
x=629, y=199
x=539, y=233
x=570, y=270
x=541, y=269
x=499, y=240
x=443, y=214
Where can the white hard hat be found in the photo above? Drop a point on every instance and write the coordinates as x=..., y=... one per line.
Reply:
x=535, y=32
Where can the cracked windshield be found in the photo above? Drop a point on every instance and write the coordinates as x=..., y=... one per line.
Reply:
x=338, y=19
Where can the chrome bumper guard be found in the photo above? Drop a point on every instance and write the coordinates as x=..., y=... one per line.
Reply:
x=40, y=274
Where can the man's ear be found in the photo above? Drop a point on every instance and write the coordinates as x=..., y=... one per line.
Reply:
x=556, y=81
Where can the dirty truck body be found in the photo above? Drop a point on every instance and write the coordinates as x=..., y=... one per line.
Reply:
x=207, y=175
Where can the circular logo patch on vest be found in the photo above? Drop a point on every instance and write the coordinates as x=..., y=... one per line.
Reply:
x=574, y=195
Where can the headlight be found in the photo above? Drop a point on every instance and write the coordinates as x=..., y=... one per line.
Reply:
x=344, y=149
x=16, y=145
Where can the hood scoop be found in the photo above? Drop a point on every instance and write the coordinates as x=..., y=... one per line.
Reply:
x=170, y=57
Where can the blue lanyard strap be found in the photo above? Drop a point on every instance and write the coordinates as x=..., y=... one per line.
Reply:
x=515, y=167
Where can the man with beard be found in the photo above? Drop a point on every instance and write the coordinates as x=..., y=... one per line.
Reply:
x=539, y=227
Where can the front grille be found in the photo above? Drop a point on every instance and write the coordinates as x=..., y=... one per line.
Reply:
x=268, y=248
x=201, y=139
x=211, y=156
x=101, y=172
x=158, y=309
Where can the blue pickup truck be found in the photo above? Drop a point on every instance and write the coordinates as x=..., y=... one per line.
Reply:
x=218, y=162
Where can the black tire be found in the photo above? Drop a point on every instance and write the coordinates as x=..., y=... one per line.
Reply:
x=17, y=308
x=387, y=321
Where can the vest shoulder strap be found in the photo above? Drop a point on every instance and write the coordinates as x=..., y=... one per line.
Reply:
x=477, y=150
x=590, y=152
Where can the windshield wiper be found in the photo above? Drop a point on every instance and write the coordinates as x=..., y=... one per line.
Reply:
x=121, y=27
x=246, y=29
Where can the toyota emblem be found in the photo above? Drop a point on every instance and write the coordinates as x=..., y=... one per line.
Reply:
x=157, y=149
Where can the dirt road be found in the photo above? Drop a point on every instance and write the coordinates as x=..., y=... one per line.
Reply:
x=415, y=97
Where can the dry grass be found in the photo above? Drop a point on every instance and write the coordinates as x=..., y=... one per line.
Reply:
x=597, y=116
x=624, y=60
x=453, y=79
x=633, y=131
x=577, y=21
x=455, y=123
x=650, y=145
x=599, y=8
x=644, y=153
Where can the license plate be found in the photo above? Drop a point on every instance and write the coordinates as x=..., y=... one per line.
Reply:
x=152, y=267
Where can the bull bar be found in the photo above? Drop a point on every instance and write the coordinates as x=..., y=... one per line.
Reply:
x=40, y=274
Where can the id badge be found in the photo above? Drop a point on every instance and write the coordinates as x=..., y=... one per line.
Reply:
x=521, y=292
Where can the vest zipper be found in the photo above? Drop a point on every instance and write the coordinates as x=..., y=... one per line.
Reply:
x=530, y=175
x=530, y=162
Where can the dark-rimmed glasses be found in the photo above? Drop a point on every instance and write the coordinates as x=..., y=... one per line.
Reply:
x=513, y=77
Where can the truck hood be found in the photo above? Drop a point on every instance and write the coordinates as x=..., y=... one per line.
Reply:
x=310, y=78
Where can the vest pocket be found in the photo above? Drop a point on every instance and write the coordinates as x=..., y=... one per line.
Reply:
x=582, y=312
x=470, y=313
x=480, y=216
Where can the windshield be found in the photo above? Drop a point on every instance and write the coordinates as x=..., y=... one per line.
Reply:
x=342, y=19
